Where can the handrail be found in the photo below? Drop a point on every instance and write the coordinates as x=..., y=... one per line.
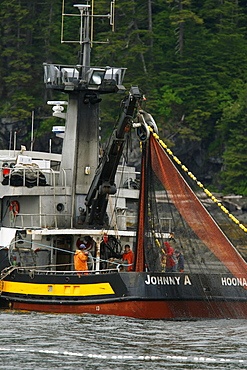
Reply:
x=52, y=175
x=41, y=216
x=33, y=269
x=73, y=272
x=9, y=269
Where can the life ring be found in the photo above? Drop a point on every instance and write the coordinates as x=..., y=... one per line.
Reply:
x=87, y=240
x=14, y=207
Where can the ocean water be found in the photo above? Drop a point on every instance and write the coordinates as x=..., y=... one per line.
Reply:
x=48, y=341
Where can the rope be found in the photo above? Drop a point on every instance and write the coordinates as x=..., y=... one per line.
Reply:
x=63, y=250
x=7, y=271
x=170, y=358
x=193, y=177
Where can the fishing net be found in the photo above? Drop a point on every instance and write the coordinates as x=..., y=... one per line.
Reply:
x=174, y=214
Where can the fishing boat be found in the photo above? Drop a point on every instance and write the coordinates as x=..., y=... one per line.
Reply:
x=52, y=204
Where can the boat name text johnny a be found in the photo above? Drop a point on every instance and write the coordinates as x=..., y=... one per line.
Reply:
x=167, y=280
x=185, y=280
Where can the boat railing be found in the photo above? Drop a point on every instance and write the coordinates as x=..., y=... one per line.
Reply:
x=32, y=176
x=130, y=221
x=65, y=272
x=166, y=223
x=7, y=271
x=124, y=219
x=38, y=219
x=127, y=177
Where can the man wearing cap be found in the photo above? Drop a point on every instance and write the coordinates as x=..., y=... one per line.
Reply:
x=80, y=259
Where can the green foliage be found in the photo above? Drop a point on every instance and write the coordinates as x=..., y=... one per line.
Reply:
x=235, y=156
x=46, y=125
x=188, y=57
x=233, y=129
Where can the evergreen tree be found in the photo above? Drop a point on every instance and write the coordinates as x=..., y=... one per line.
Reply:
x=187, y=56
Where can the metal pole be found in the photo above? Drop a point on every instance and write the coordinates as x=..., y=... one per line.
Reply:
x=32, y=131
x=81, y=41
x=14, y=142
x=92, y=20
x=86, y=51
x=97, y=254
x=10, y=139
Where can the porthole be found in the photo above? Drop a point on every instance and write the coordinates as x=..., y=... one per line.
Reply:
x=60, y=207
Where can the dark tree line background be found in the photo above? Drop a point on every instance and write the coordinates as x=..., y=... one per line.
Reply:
x=189, y=57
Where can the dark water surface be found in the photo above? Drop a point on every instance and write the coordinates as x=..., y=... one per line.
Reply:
x=42, y=341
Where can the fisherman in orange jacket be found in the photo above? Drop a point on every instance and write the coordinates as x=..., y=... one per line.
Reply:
x=80, y=259
x=129, y=257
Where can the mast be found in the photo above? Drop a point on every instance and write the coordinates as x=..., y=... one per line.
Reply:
x=83, y=84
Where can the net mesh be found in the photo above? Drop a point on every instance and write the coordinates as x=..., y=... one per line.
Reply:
x=170, y=205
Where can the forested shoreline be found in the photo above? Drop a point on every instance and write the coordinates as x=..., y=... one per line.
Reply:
x=188, y=57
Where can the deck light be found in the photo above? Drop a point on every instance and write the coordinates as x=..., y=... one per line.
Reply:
x=95, y=76
x=82, y=7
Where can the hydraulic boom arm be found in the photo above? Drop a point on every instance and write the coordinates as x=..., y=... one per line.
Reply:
x=103, y=183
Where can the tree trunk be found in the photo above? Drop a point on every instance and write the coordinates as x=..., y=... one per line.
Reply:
x=150, y=22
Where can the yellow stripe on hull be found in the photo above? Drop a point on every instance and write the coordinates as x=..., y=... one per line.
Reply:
x=57, y=289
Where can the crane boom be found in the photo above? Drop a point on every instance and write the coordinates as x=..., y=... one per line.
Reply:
x=103, y=183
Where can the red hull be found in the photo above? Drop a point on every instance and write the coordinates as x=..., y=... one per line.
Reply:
x=185, y=310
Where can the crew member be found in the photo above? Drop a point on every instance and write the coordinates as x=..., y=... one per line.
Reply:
x=180, y=257
x=80, y=259
x=128, y=256
x=170, y=258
